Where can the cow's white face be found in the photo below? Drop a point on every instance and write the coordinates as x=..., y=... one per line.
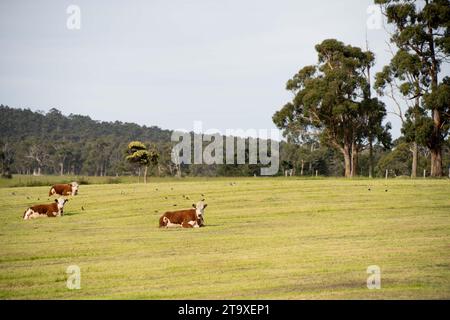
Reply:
x=74, y=188
x=200, y=211
x=61, y=202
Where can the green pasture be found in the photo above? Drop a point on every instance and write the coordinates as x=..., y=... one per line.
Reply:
x=265, y=238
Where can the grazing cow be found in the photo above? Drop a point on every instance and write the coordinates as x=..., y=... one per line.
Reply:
x=190, y=218
x=70, y=189
x=55, y=209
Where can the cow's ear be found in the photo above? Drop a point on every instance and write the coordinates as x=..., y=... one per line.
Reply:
x=194, y=206
x=56, y=200
x=205, y=206
x=66, y=200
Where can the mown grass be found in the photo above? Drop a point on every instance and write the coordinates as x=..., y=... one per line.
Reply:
x=37, y=181
x=266, y=238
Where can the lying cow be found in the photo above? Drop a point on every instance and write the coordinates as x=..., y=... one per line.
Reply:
x=55, y=209
x=190, y=218
x=70, y=189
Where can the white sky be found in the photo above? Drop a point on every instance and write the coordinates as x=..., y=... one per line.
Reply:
x=169, y=63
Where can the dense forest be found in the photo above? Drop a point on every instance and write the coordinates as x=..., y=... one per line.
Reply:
x=38, y=143
x=51, y=143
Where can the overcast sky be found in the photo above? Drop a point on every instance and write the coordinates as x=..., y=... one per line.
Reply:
x=168, y=63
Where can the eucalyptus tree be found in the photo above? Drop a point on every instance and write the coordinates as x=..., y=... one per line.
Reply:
x=332, y=100
x=422, y=37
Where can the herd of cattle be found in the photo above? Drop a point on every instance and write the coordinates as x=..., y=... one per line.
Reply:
x=189, y=218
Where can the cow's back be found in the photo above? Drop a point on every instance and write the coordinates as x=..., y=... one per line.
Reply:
x=60, y=189
x=178, y=217
x=47, y=209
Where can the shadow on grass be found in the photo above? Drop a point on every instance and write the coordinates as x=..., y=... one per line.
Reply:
x=68, y=214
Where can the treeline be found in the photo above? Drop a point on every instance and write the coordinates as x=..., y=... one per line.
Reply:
x=52, y=143
x=36, y=143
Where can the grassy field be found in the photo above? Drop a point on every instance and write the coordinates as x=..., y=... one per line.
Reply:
x=266, y=238
x=36, y=181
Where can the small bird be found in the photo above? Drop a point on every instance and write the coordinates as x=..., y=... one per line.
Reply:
x=187, y=198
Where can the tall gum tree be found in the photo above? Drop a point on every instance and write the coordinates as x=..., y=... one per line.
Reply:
x=332, y=100
x=421, y=29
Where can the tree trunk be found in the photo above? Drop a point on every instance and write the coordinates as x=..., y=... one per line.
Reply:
x=145, y=174
x=347, y=161
x=415, y=154
x=61, y=167
x=436, y=162
x=370, y=158
x=303, y=167
x=354, y=160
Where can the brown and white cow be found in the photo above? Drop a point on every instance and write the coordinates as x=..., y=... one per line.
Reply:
x=70, y=189
x=55, y=209
x=189, y=218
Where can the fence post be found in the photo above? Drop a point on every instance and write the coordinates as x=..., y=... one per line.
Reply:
x=387, y=173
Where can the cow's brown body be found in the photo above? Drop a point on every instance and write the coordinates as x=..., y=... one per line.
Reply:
x=49, y=210
x=55, y=209
x=61, y=189
x=183, y=218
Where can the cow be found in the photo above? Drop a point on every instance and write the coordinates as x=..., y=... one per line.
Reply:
x=55, y=209
x=70, y=189
x=189, y=218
